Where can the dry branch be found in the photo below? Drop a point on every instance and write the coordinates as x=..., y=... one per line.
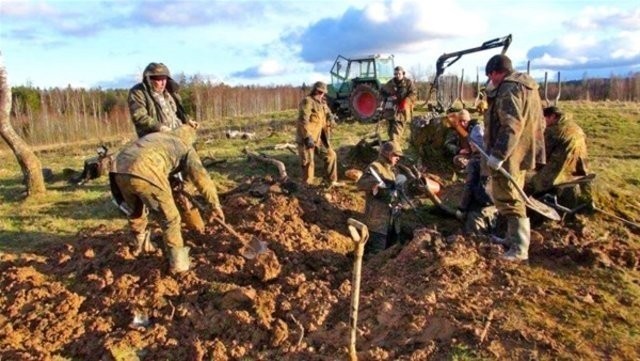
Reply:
x=282, y=170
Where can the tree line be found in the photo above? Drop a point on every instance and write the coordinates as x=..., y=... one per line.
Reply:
x=58, y=116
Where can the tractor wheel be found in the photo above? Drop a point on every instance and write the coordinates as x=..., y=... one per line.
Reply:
x=364, y=102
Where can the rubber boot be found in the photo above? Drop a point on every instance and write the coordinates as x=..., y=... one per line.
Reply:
x=520, y=235
x=143, y=244
x=179, y=259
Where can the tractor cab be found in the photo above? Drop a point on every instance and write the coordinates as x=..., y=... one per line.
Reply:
x=355, y=85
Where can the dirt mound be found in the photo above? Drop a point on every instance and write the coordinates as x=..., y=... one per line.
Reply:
x=93, y=300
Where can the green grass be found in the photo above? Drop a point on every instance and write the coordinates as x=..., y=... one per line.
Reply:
x=613, y=139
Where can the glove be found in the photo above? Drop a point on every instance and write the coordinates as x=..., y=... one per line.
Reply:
x=309, y=143
x=218, y=213
x=494, y=162
x=460, y=215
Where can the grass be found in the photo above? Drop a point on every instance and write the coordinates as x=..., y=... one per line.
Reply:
x=613, y=139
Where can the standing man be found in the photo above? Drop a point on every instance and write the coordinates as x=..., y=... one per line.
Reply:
x=141, y=180
x=514, y=137
x=566, y=152
x=154, y=103
x=382, y=210
x=313, y=135
x=402, y=91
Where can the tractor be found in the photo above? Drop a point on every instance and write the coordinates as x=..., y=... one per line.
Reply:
x=356, y=84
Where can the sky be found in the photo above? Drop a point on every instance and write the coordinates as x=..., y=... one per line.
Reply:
x=107, y=44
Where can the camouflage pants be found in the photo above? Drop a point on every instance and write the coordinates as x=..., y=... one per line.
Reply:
x=506, y=197
x=308, y=164
x=481, y=221
x=138, y=194
x=396, y=125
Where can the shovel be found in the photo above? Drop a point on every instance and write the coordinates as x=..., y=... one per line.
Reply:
x=531, y=203
x=360, y=234
x=249, y=250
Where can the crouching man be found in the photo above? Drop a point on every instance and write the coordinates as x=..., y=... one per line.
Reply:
x=382, y=208
x=140, y=182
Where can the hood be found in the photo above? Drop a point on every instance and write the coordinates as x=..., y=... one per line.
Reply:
x=524, y=79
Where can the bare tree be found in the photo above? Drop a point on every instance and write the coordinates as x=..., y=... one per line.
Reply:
x=29, y=162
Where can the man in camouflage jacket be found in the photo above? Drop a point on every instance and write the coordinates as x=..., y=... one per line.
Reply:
x=313, y=134
x=514, y=137
x=566, y=152
x=402, y=92
x=154, y=103
x=379, y=182
x=140, y=181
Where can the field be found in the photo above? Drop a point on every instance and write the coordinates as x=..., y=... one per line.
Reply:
x=71, y=290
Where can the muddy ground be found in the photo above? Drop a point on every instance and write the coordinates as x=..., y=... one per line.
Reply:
x=92, y=300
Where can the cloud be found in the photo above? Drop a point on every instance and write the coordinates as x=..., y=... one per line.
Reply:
x=266, y=69
x=196, y=13
x=82, y=19
x=602, y=17
x=382, y=27
x=608, y=38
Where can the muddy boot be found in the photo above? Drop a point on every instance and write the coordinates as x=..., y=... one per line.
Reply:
x=520, y=235
x=179, y=259
x=143, y=244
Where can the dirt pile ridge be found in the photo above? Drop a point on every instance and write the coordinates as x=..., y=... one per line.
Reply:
x=93, y=300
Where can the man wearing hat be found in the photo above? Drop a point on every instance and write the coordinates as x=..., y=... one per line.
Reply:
x=402, y=92
x=313, y=133
x=514, y=140
x=381, y=203
x=154, y=103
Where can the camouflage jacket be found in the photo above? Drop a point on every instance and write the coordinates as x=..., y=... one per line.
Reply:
x=148, y=114
x=158, y=156
x=377, y=212
x=313, y=120
x=514, y=124
x=566, y=151
x=404, y=89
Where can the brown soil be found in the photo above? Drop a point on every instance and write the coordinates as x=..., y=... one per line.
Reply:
x=92, y=300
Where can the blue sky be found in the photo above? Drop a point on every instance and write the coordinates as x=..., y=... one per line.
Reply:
x=91, y=43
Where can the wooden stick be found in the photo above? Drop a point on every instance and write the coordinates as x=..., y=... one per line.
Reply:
x=486, y=327
x=282, y=170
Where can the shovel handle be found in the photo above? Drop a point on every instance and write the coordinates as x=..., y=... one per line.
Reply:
x=231, y=230
x=502, y=171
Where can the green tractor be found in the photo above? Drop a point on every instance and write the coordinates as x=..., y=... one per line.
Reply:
x=356, y=83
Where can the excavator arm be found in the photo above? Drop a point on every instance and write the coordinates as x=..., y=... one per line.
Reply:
x=448, y=59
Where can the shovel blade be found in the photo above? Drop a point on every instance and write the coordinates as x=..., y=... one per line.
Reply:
x=542, y=209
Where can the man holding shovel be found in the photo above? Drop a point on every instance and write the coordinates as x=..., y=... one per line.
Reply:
x=140, y=181
x=514, y=139
x=382, y=211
